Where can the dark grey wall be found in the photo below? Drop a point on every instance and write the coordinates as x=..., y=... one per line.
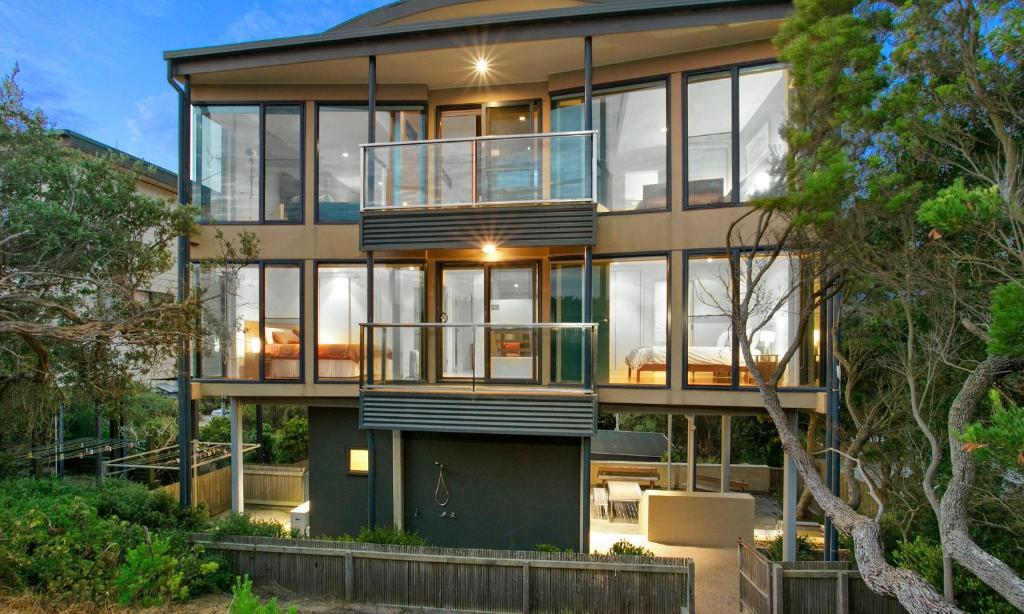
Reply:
x=505, y=491
x=338, y=501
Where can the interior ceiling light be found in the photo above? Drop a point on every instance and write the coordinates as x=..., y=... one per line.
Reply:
x=481, y=65
x=489, y=249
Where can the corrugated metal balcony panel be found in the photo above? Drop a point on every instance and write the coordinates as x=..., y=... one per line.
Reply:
x=553, y=415
x=511, y=226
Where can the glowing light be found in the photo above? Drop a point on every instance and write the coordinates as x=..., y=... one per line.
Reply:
x=489, y=248
x=344, y=154
x=522, y=118
x=254, y=345
x=481, y=65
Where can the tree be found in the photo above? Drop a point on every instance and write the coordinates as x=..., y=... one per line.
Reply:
x=78, y=244
x=903, y=175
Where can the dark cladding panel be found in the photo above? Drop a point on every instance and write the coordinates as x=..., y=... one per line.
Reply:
x=550, y=415
x=516, y=226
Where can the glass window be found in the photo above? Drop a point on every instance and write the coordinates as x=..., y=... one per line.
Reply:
x=630, y=305
x=282, y=164
x=341, y=307
x=773, y=324
x=709, y=138
x=709, y=356
x=227, y=165
x=229, y=346
x=763, y=103
x=632, y=146
x=358, y=460
x=341, y=129
x=282, y=314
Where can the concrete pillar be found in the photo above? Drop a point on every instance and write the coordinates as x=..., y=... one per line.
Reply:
x=237, y=475
x=397, y=484
x=668, y=461
x=789, y=497
x=726, y=451
x=691, y=453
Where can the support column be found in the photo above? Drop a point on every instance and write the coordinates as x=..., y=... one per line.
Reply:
x=185, y=430
x=789, y=497
x=585, y=495
x=98, y=428
x=397, y=481
x=726, y=459
x=367, y=353
x=668, y=461
x=260, y=454
x=371, y=479
x=833, y=380
x=60, y=440
x=237, y=475
x=691, y=453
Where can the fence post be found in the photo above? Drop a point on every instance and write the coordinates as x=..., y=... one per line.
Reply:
x=739, y=558
x=691, y=598
x=842, y=593
x=349, y=577
x=777, y=592
x=526, y=587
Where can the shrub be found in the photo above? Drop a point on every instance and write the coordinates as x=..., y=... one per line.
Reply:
x=804, y=550
x=389, y=535
x=150, y=575
x=624, y=547
x=244, y=602
x=244, y=524
x=552, y=549
x=290, y=442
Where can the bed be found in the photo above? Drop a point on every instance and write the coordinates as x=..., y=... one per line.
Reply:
x=648, y=358
x=716, y=360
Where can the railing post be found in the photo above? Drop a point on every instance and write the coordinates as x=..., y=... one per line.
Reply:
x=349, y=577
x=368, y=348
x=843, y=593
x=777, y=591
x=526, y=587
x=691, y=583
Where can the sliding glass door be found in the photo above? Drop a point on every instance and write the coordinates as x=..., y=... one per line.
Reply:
x=503, y=296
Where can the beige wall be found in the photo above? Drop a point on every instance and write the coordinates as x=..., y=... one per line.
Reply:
x=670, y=231
x=680, y=518
x=758, y=478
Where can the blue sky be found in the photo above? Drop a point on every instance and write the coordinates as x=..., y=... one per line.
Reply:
x=97, y=67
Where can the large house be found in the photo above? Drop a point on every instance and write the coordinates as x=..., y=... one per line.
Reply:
x=481, y=224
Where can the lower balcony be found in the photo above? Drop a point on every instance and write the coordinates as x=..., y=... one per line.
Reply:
x=477, y=378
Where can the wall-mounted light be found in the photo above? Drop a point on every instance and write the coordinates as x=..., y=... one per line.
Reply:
x=489, y=249
x=481, y=65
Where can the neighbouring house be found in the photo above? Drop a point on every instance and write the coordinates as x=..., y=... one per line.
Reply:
x=156, y=182
x=481, y=224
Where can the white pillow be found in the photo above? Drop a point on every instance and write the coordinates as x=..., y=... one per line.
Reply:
x=724, y=340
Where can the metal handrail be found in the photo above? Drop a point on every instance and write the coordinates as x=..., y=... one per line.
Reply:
x=366, y=380
x=491, y=137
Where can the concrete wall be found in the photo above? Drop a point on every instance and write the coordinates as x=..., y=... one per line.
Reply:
x=504, y=492
x=697, y=518
x=338, y=500
x=758, y=477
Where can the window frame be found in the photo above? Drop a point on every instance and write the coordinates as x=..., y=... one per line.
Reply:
x=364, y=104
x=734, y=141
x=646, y=255
x=195, y=360
x=734, y=385
x=631, y=85
x=316, y=313
x=262, y=106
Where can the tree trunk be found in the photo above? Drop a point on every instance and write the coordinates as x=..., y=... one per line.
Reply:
x=953, y=512
x=853, y=492
x=912, y=591
x=805, y=494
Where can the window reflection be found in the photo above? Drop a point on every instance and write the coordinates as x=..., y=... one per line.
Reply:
x=709, y=138
x=632, y=146
x=282, y=335
x=227, y=163
x=282, y=173
x=763, y=98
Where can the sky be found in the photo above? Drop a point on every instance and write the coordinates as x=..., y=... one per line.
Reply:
x=97, y=67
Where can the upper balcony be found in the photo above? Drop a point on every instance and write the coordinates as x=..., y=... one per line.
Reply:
x=513, y=190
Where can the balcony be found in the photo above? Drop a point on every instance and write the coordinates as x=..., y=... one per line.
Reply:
x=515, y=191
x=477, y=378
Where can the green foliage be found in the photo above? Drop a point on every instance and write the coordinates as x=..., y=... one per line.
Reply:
x=958, y=207
x=217, y=429
x=89, y=543
x=1007, y=329
x=150, y=575
x=244, y=524
x=389, y=535
x=1000, y=440
x=624, y=547
x=552, y=549
x=291, y=441
x=972, y=595
x=243, y=601
x=804, y=550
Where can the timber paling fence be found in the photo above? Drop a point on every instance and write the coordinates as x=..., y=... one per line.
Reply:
x=462, y=578
x=806, y=587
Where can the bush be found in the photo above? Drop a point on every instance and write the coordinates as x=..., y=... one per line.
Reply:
x=972, y=595
x=623, y=547
x=552, y=549
x=290, y=442
x=244, y=524
x=804, y=550
x=389, y=535
x=88, y=543
x=244, y=602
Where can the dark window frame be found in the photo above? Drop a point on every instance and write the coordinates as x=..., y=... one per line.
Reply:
x=262, y=106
